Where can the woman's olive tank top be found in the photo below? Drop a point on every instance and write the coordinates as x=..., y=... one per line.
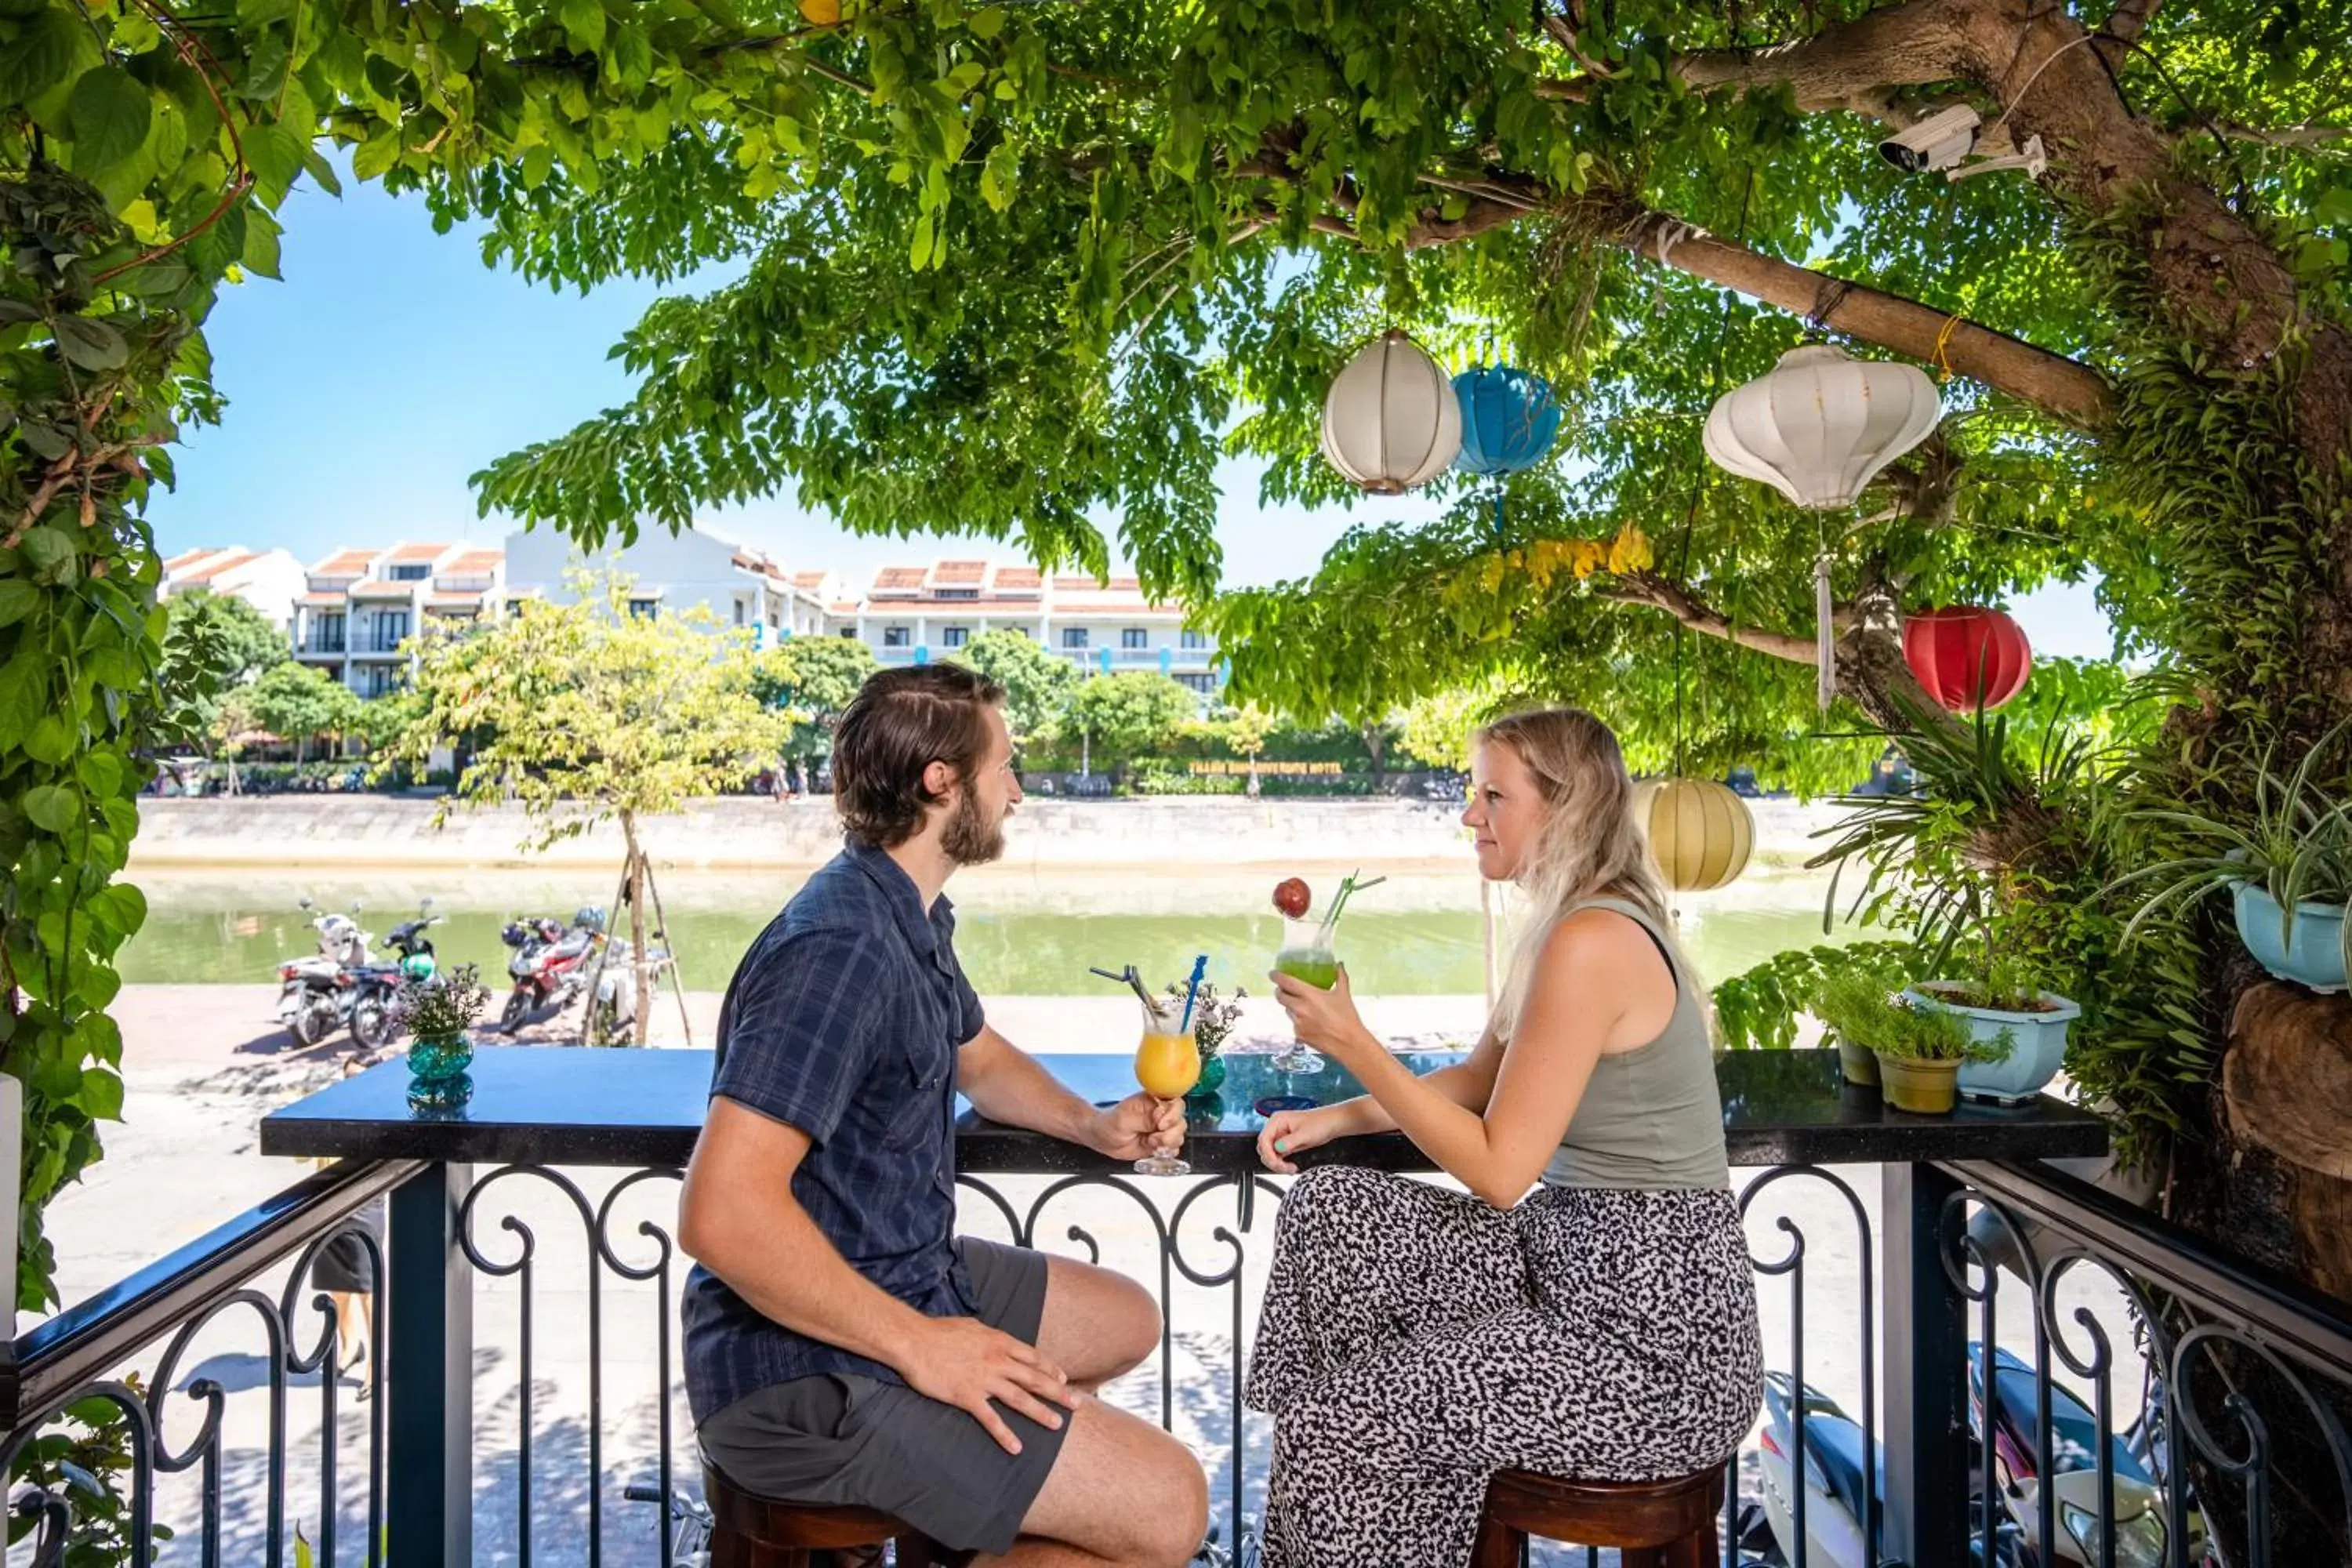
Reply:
x=1651, y=1118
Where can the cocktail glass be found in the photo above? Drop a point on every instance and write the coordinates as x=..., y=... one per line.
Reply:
x=1306, y=955
x=1167, y=1065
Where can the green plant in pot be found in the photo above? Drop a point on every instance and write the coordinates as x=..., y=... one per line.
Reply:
x=1213, y=1017
x=2002, y=997
x=1920, y=1049
x=436, y=1013
x=2288, y=871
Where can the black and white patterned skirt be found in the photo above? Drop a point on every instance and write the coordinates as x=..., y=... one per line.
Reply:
x=1417, y=1340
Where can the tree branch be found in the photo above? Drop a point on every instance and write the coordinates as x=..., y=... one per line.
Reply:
x=1682, y=601
x=2061, y=387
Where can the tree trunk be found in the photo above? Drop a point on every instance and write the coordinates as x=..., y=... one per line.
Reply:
x=1376, y=742
x=1252, y=775
x=638, y=970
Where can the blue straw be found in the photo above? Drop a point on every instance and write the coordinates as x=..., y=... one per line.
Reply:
x=1199, y=967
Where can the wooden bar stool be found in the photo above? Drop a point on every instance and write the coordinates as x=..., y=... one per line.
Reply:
x=749, y=1531
x=1653, y=1524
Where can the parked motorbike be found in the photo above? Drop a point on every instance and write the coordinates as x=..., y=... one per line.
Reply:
x=375, y=985
x=549, y=965
x=315, y=993
x=612, y=1015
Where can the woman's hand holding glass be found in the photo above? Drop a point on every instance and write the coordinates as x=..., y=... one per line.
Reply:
x=1326, y=1020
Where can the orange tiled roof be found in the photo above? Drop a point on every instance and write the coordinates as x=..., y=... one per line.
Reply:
x=343, y=563
x=475, y=564
x=845, y=608
x=808, y=579
x=899, y=577
x=320, y=601
x=958, y=574
x=214, y=568
x=186, y=556
x=1088, y=586
x=415, y=553
x=1019, y=577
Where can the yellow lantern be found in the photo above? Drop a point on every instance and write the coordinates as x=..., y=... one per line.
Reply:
x=1699, y=831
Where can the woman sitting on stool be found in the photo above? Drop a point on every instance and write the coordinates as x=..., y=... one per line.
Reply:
x=1415, y=1340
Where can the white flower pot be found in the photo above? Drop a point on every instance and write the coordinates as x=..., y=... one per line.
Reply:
x=12, y=1177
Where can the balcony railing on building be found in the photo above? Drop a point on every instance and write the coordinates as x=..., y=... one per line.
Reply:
x=525, y=1327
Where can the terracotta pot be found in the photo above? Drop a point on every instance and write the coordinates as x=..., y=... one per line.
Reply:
x=1860, y=1062
x=1923, y=1088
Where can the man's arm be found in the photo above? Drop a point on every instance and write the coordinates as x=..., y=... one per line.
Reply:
x=738, y=1218
x=1004, y=1083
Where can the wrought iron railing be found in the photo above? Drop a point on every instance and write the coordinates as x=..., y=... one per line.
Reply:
x=2238, y=1361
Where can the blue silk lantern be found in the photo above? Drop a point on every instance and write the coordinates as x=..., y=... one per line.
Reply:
x=1509, y=419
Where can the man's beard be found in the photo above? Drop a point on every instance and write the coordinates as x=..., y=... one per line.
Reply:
x=970, y=839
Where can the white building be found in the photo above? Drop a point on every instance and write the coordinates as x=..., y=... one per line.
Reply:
x=359, y=606
x=912, y=614
x=269, y=580
x=679, y=572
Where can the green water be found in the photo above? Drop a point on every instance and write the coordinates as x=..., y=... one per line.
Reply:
x=1015, y=938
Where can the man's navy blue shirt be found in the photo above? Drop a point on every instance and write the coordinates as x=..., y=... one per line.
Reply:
x=843, y=1021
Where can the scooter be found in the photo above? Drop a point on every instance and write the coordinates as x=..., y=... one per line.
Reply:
x=550, y=963
x=315, y=993
x=375, y=985
x=612, y=1015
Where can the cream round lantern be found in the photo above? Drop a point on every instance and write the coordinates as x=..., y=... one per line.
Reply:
x=1391, y=420
x=1700, y=833
x=1819, y=425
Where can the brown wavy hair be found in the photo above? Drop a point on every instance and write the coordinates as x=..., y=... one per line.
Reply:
x=901, y=722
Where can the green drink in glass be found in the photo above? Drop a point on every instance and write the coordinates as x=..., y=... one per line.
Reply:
x=1306, y=955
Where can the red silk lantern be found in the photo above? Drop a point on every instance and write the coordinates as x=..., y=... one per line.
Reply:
x=1968, y=656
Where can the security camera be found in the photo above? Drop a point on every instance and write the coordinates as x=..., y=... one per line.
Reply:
x=1939, y=142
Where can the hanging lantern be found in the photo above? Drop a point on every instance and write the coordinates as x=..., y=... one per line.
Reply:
x=1700, y=833
x=1391, y=420
x=1968, y=659
x=1509, y=419
x=1820, y=426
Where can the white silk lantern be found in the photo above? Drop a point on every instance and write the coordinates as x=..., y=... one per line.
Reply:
x=1818, y=428
x=1391, y=420
x=1819, y=425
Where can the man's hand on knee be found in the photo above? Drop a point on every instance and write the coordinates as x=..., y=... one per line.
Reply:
x=964, y=1363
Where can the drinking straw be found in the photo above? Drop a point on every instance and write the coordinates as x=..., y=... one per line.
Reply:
x=1349, y=884
x=1126, y=977
x=1199, y=967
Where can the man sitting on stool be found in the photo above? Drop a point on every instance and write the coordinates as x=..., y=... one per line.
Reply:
x=843, y=1346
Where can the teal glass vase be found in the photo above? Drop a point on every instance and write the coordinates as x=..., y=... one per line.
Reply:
x=1213, y=1076
x=436, y=1072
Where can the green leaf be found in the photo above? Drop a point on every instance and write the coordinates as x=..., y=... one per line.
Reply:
x=48, y=548
x=51, y=741
x=108, y=113
x=41, y=57
x=17, y=600
x=101, y=1095
x=101, y=772
x=260, y=244
x=22, y=691
x=91, y=344
x=275, y=155
x=259, y=13
x=583, y=23
x=54, y=808
x=318, y=169
x=378, y=154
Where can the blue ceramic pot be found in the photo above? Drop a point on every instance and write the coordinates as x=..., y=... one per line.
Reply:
x=2309, y=952
x=2038, y=1052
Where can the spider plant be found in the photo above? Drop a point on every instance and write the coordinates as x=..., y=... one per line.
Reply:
x=2297, y=847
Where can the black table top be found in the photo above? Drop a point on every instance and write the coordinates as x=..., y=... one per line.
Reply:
x=573, y=1106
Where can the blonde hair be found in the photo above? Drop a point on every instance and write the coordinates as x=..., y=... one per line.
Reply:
x=1592, y=843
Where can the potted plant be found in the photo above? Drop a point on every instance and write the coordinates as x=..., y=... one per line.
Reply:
x=2289, y=871
x=2002, y=999
x=1920, y=1049
x=1213, y=1017
x=437, y=1012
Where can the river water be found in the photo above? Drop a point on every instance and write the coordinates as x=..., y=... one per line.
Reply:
x=1018, y=932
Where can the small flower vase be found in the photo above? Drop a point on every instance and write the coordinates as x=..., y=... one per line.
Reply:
x=1213, y=1076
x=436, y=1072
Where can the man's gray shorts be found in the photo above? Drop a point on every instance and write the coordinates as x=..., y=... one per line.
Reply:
x=841, y=1438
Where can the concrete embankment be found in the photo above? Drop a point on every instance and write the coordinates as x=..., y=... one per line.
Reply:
x=756, y=833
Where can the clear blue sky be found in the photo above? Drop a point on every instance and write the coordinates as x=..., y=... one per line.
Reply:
x=391, y=363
